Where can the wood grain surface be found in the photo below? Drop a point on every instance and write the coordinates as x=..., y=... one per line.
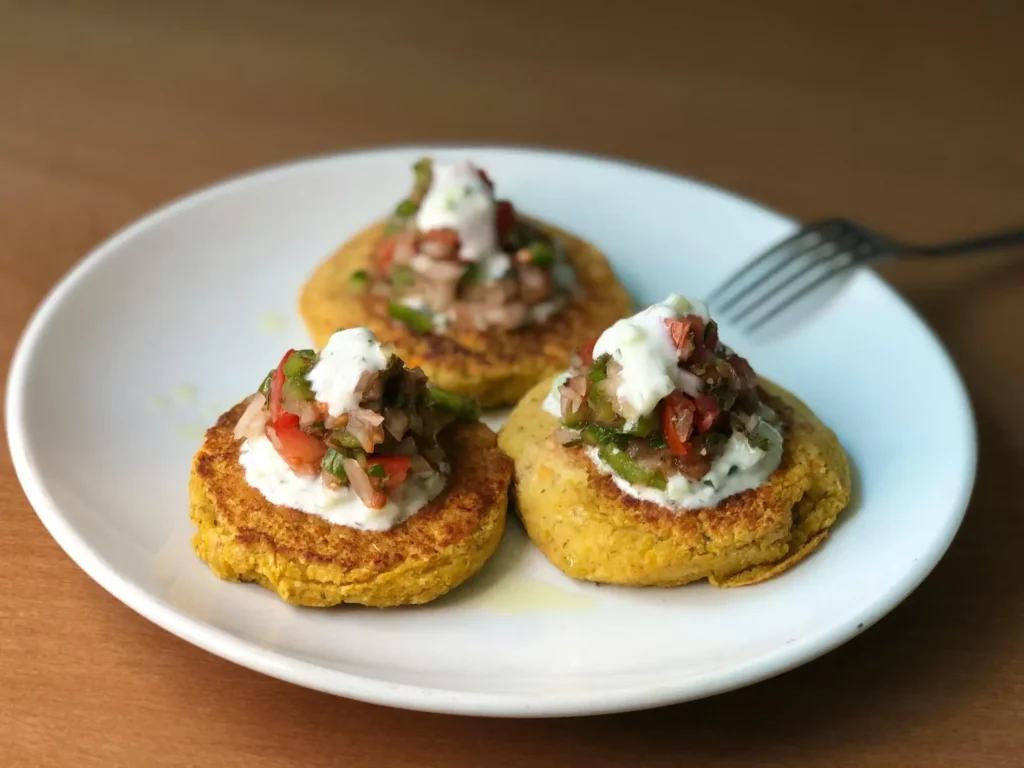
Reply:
x=908, y=116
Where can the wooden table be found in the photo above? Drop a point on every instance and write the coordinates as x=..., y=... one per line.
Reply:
x=908, y=118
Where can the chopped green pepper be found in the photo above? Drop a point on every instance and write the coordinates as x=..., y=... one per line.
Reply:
x=599, y=370
x=376, y=470
x=423, y=171
x=577, y=419
x=595, y=434
x=601, y=407
x=265, y=386
x=406, y=208
x=643, y=426
x=342, y=438
x=623, y=465
x=299, y=362
x=419, y=321
x=461, y=406
x=359, y=281
x=296, y=367
x=542, y=254
x=332, y=464
x=297, y=389
x=402, y=276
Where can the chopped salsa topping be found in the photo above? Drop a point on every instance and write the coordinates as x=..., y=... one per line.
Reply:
x=711, y=395
x=454, y=256
x=373, y=447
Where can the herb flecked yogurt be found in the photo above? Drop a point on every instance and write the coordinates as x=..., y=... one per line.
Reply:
x=669, y=412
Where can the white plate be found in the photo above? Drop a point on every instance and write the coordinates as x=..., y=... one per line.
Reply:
x=180, y=315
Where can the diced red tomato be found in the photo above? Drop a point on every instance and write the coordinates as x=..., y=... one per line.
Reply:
x=386, y=254
x=395, y=470
x=302, y=452
x=677, y=422
x=708, y=410
x=277, y=385
x=687, y=333
x=505, y=218
x=484, y=177
x=586, y=351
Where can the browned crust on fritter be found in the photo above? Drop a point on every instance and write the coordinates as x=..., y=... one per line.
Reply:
x=496, y=367
x=592, y=530
x=456, y=531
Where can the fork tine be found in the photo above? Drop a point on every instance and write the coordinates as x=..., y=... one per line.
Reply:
x=735, y=278
x=782, y=304
x=836, y=249
x=751, y=298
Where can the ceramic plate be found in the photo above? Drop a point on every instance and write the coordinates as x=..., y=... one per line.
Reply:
x=177, y=317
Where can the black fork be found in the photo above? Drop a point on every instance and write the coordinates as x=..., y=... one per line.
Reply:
x=818, y=254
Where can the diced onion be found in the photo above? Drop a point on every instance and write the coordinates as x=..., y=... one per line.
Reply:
x=688, y=382
x=571, y=400
x=253, y=420
x=362, y=486
x=396, y=421
x=372, y=418
x=308, y=414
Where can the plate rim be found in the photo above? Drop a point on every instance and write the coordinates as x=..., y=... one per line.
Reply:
x=288, y=668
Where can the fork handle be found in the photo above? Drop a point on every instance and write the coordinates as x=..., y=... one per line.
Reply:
x=985, y=243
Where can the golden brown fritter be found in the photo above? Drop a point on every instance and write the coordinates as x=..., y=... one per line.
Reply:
x=309, y=561
x=495, y=367
x=591, y=530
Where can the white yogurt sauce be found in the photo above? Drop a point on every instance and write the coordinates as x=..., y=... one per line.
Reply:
x=642, y=346
x=348, y=355
x=553, y=402
x=459, y=199
x=269, y=474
